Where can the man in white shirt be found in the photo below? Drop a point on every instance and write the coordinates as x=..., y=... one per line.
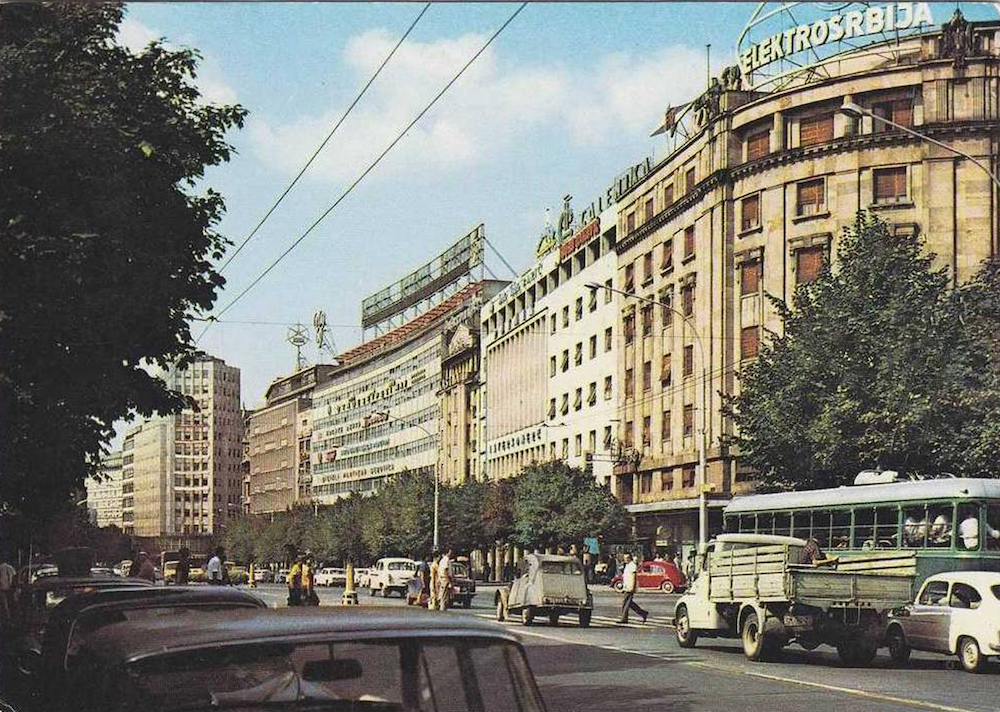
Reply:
x=629, y=585
x=213, y=570
x=444, y=580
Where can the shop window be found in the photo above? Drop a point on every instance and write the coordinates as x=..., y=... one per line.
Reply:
x=750, y=212
x=809, y=263
x=810, y=197
x=688, y=241
x=758, y=144
x=816, y=129
x=687, y=362
x=750, y=342
x=889, y=185
x=750, y=277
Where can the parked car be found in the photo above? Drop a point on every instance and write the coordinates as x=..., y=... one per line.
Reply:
x=463, y=588
x=362, y=577
x=330, y=577
x=547, y=585
x=656, y=574
x=238, y=574
x=263, y=575
x=83, y=614
x=955, y=613
x=282, y=576
x=391, y=575
x=371, y=658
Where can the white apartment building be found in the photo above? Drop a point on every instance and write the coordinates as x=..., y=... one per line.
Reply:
x=104, y=493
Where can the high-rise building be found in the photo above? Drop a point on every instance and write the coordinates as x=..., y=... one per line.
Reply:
x=104, y=493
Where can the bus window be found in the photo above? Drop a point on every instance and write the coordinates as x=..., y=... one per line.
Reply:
x=731, y=523
x=748, y=523
x=800, y=525
x=968, y=527
x=821, y=528
x=765, y=523
x=993, y=527
x=887, y=528
x=864, y=523
x=915, y=527
x=783, y=524
x=942, y=527
x=840, y=529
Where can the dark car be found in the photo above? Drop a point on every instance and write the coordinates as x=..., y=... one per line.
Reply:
x=463, y=587
x=79, y=616
x=339, y=659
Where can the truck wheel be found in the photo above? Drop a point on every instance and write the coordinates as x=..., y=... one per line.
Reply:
x=584, y=619
x=970, y=655
x=686, y=638
x=527, y=615
x=755, y=643
x=856, y=653
x=501, y=612
x=667, y=586
x=899, y=651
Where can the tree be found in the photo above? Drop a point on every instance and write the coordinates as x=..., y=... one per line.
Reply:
x=105, y=245
x=496, y=511
x=461, y=526
x=880, y=363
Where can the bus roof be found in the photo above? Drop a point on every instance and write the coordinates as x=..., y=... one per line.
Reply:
x=910, y=491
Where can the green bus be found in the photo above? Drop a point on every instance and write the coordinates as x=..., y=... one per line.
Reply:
x=949, y=524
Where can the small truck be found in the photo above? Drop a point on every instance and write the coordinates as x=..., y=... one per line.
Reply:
x=752, y=587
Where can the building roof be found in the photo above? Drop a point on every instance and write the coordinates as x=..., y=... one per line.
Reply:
x=135, y=640
x=918, y=490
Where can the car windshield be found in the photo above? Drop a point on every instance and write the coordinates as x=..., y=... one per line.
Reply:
x=561, y=567
x=401, y=566
x=459, y=570
x=408, y=675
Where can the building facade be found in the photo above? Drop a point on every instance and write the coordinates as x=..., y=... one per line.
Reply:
x=459, y=396
x=278, y=442
x=752, y=203
x=104, y=493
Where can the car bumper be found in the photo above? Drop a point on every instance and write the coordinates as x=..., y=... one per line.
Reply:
x=995, y=647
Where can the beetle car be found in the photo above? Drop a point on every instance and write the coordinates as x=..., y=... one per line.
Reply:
x=353, y=659
x=549, y=586
x=657, y=574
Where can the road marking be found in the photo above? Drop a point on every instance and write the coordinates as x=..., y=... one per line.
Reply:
x=833, y=688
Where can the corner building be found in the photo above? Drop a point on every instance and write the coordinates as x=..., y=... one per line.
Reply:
x=754, y=203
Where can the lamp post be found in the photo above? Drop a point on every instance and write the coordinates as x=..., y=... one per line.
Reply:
x=702, y=479
x=437, y=500
x=856, y=111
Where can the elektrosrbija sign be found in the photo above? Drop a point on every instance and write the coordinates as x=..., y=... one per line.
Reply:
x=856, y=23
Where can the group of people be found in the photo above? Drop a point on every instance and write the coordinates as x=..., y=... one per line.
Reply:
x=301, y=582
x=436, y=580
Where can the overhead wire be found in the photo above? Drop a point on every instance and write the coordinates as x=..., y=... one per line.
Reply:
x=326, y=140
x=367, y=170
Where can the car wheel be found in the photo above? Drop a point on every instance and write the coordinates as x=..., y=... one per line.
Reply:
x=755, y=645
x=585, y=619
x=618, y=585
x=527, y=615
x=899, y=651
x=667, y=586
x=686, y=638
x=970, y=655
x=501, y=611
x=553, y=619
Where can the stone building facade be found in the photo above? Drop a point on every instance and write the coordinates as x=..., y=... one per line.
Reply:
x=104, y=494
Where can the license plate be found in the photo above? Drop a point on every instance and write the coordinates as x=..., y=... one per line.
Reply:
x=798, y=621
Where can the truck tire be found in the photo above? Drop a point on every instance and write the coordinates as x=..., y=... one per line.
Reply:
x=756, y=645
x=856, y=653
x=899, y=649
x=686, y=638
x=527, y=615
x=970, y=655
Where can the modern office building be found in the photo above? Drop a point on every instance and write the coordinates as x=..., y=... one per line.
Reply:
x=104, y=493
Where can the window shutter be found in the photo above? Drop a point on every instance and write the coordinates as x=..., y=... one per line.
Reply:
x=689, y=241
x=758, y=145
x=750, y=277
x=751, y=212
x=816, y=129
x=668, y=255
x=809, y=264
x=749, y=342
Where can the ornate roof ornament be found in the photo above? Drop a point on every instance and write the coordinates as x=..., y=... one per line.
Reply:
x=957, y=40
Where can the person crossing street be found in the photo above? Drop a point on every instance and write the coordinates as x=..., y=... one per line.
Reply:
x=629, y=585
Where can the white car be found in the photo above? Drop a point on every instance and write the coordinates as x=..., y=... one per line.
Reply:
x=330, y=577
x=393, y=574
x=361, y=577
x=956, y=613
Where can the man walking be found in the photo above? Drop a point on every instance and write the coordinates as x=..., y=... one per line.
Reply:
x=183, y=573
x=213, y=571
x=629, y=584
x=444, y=581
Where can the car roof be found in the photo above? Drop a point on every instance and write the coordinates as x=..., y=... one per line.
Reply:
x=554, y=557
x=984, y=578
x=53, y=582
x=153, y=596
x=135, y=640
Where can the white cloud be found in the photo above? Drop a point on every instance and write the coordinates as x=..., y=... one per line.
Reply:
x=493, y=105
x=135, y=35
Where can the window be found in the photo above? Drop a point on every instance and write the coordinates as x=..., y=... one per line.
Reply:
x=668, y=196
x=552, y=366
x=592, y=300
x=552, y=408
x=687, y=476
x=935, y=593
x=886, y=528
x=666, y=480
x=645, y=482
x=647, y=268
x=687, y=299
x=592, y=439
x=688, y=241
x=608, y=341
x=565, y=316
x=647, y=437
x=687, y=363
x=578, y=445
x=667, y=260
x=607, y=388
x=578, y=354
x=629, y=223
x=899, y=112
x=553, y=323
x=647, y=375
x=889, y=185
x=565, y=361
x=629, y=434
x=629, y=383
x=840, y=529
x=665, y=429
x=964, y=596
x=864, y=521
x=993, y=527
x=629, y=278
x=816, y=129
x=592, y=393
x=592, y=347
x=689, y=180
x=688, y=420
x=750, y=342
x=565, y=404
x=811, y=197
x=809, y=263
x=665, y=371
x=628, y=324
x=758, y=144
x=607, y=437
x=941, y=529
x=750, y=212
x=750, y=278
x=647, y=320
x=565, y=448
x=607, y=291
x=579, y=308
x=649, y=210
x=578, y=399
x=666, y=311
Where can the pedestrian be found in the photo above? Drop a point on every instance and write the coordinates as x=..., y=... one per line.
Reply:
x=435, y=580
x=215, y=570
x=309, y=595
x=144, y=568
x=8, y=584
x=444, y=581
x=252, y=576
x=294, y=581
x=629, y=584
x=183, y=573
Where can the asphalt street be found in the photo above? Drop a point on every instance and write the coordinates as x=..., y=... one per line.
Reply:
x=610, y=667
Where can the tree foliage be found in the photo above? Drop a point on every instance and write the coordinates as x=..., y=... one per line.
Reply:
x=105, y=243
x=882, y=362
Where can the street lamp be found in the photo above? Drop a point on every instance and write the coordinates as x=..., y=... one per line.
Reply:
x=437, y=500
x=702, y=479
x=856, y=111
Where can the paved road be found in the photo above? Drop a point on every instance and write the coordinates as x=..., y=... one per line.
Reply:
x=609, y=667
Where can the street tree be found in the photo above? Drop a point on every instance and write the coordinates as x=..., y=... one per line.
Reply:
x=881, y=363
x=106, y=236
x=496, y=512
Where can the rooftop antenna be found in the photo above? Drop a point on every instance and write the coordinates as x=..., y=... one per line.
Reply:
x=298, y=336
x=323, y=341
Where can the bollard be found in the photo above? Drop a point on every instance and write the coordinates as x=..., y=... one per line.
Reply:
x=350, y=595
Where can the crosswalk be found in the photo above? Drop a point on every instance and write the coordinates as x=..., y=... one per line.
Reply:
x=595, y=622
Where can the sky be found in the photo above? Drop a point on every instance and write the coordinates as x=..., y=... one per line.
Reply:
x=562, y=102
